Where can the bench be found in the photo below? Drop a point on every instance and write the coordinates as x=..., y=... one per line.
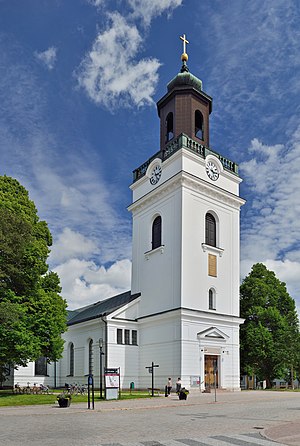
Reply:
x=155, y=390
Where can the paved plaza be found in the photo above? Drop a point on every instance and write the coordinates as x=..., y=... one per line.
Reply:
x=240, y=418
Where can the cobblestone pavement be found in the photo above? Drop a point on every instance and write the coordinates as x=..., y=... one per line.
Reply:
x=240, y=418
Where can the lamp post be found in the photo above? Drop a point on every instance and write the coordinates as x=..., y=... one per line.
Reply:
x=100, y=355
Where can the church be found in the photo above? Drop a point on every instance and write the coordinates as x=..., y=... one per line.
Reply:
x=182, y=313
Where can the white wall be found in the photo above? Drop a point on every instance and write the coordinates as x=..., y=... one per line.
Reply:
x=156, y=274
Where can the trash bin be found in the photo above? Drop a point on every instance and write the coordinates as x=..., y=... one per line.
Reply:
x=131, y=386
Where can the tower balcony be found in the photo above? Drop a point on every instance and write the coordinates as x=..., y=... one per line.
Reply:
x=184, y=142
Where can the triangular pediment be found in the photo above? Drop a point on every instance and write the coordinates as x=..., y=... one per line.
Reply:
x=212, y=333
x=127, y=312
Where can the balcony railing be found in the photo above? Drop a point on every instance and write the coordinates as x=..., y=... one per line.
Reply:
x=183, y=141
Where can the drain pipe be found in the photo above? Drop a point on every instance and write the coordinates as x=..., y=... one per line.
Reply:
x=103, y=319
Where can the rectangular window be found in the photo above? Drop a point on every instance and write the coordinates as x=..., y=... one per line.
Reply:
x=91, y=359
x=212, y=265
x=71, y=360
x=127, y=337
x=134, y=337
x=119, y=336
x=40, y=368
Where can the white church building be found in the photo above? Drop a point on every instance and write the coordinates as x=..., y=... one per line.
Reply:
x=182, y=312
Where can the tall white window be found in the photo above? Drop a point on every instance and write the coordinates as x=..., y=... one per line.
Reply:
x=156, y=232
x=170, y=127
x=210, y=230
x=211, y=299
x=41, y=366
x=119, y=336
x=71, y=359
x=91, y=357
x=199, y=125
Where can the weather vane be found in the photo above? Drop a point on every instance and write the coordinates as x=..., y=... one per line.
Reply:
x=184, y=56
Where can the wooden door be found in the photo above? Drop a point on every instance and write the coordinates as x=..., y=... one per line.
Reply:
x=211, y=371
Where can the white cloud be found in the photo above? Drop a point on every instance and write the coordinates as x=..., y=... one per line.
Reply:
x=270, y=220
x=110, y=75
x=257, y=45
x=67, y=186
x=148, y=9
x=70, y=244
x=48, y=57
x=83, y=282
x=97, y=3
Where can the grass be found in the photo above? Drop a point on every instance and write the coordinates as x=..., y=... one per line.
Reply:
x=7, y=398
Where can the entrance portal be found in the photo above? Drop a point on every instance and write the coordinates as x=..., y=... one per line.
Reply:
x=211, y=371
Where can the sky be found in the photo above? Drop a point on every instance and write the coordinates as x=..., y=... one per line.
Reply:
x=79, y=82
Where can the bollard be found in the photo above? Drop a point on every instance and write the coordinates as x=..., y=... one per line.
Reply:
x=166, y=391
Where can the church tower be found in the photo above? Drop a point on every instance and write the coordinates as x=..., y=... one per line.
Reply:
x=185, y=259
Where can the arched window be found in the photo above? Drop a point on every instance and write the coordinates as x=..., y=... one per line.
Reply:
x=211, y=299
x=169, y=125
x=71, y=359
x=91, y=356
x=210, y=230
x=156, y=232
x=199, y=125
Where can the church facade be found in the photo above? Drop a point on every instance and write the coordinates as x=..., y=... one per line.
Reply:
x=182, y=312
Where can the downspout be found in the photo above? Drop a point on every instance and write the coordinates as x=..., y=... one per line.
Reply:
x=105, y=339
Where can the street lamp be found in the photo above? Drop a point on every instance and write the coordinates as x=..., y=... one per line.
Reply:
x=100, y=355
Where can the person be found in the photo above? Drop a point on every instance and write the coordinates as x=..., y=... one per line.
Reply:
x=169, y=385
x=178, y=385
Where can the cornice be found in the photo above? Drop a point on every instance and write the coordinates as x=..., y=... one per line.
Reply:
x=211, y=191
x=188, y=181
x=207, y=316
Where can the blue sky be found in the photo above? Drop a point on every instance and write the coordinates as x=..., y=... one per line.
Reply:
x=79, y=80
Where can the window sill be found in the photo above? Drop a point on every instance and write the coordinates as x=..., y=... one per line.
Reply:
x=213, y=249
x=158, y=249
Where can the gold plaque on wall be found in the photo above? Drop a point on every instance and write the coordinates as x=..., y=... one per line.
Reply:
x=212, y=265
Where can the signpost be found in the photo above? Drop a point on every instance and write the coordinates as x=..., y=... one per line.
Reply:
x=151, y=370
x=112, y=383
x=91, y=385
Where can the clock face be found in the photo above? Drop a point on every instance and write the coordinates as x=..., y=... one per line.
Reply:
x=155, y=174
x=212, y=170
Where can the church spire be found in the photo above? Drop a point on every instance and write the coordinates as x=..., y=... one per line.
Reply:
x=185, y=108
x=184, y=55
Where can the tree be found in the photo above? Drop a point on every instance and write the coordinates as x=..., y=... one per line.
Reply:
x=270, y=338
x=32, y=313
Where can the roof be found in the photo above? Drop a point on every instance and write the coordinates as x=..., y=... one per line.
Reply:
x=184, y=82
x=185, y=79
x=101, y=308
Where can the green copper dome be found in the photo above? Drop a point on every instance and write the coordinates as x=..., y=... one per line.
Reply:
x=185, y=79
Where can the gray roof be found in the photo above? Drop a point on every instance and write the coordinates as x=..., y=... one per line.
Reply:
x=101, y=308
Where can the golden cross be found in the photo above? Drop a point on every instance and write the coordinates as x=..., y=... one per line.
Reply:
x=184, y=42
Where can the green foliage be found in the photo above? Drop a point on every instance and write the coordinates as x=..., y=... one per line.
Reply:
x=32, y=313
x=270, y=338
